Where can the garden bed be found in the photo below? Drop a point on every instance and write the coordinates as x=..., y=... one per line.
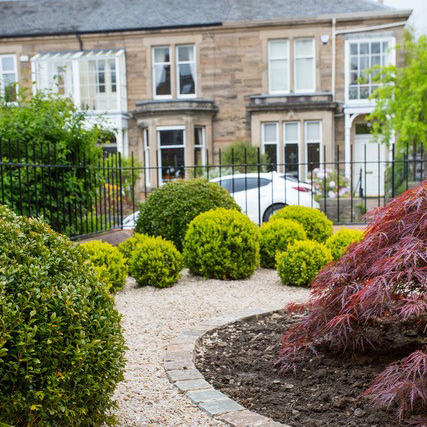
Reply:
x=239, y=359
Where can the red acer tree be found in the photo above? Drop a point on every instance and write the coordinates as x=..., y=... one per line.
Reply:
x=376, y=292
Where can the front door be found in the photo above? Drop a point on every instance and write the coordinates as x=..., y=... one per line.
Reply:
x=369, y=164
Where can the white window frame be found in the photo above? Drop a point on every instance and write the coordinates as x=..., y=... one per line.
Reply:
x=391, y=57
x=264, y=143
x=15, y=65
x=203, y=145
x=159, y=147
x=147, y=157
x=288, y=59
x=313, y=89
x=153, y=71
x=298, y=142
x=306, y=142
x=178, y=63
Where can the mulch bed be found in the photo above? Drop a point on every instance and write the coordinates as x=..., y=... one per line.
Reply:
x=239, y=359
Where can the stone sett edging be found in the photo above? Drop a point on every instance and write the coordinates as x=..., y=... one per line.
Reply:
x=178, y=362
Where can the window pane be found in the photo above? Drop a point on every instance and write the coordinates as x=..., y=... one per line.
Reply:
x=376, y=48
x=172, y=163
x=198, y=156
x=198, y=136
x=113, y=76
x=187, y=84
x=364, y=48
x=8, y=64
x=291, y=132
x=270, y=132
x=291, y=159
x=271, y=152
x=304, y=47
x=163, y=79
x=364, y=92
x=313, y=156
x=171, y=137
x=354, y=63
x=278, y=49
x=313, y=132
x=353, y=49
x=161, y=54
x=186, y=53
x=353, y=77
x=304, y=74
x=353, y=92
x=279, y=72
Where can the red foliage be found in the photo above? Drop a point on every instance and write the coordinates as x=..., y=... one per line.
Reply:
x=373, y=293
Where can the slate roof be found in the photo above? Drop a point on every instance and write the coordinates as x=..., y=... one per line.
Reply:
x=37, y=17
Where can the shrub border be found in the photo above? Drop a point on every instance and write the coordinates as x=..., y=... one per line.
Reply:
x=178, y=362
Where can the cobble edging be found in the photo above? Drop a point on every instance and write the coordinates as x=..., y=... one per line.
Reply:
x=178, y=363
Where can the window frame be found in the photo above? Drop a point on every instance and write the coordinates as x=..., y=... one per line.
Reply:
x=177, y=63
x=306, y=142
x=391, y=40
x=153, y=71
x=15, y=65
x=269, y=60
x=298, y=142
x=264, y=143
x=313, y=89
x=159, y=148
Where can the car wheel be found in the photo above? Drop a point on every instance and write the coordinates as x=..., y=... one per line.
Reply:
x=271, y=210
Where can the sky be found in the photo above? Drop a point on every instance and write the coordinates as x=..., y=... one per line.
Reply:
x=419, y=15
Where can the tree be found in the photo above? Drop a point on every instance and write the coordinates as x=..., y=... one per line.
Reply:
x=371, y=299
x=47, y=129
x=401, y=101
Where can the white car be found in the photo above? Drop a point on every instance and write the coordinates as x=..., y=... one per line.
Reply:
x=261, y=195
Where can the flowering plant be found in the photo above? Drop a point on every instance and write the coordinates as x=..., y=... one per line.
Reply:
x=329, y=183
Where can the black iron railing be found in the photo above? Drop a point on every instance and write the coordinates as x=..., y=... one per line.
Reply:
x=79, y=197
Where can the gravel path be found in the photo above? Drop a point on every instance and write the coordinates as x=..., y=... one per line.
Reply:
x=152, y=317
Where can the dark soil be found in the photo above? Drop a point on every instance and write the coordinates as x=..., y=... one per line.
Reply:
x=239, y=359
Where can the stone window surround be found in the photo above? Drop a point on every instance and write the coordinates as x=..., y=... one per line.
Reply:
x=326, y=117
x=291, y=57
x=173, y=49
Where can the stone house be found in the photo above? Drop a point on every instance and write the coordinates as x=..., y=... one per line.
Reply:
x=180, y=80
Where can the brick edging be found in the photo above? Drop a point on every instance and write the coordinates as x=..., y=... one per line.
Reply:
x=178, y=363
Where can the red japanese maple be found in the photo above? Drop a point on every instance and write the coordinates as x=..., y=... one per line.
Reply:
x=375, y=292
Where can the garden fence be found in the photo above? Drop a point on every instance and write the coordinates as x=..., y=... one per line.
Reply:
x=81, y=198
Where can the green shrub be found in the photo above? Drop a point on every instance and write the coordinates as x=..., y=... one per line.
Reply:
x=127, y=247
x=156, y=262
x=61, y=344
x=339, y=242
x=315, y=223
x=276, y=236
x=301, y=262
x=168, y=210
x=109, y=264
x=222, y=244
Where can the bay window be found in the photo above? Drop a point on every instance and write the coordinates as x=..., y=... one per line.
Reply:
x=305, y=67
x=362, y=57
x=186, y=70
x=278, y=66
x=8, y=77
x=98, y=84
x=162, y=71
x=96, y=80
x=291, y=143
x=270, y=142
x=171, y=143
